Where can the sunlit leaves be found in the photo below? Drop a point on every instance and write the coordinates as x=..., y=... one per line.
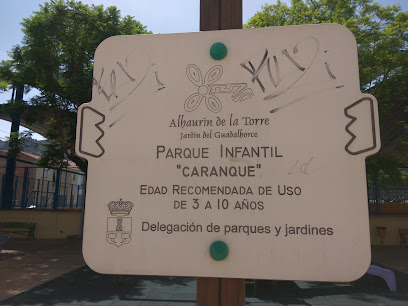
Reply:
x=382, y=40
x=58, y=48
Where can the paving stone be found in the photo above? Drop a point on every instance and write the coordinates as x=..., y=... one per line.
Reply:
x=86, y=287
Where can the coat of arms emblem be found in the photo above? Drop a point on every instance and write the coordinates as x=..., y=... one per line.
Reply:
x=120, y=225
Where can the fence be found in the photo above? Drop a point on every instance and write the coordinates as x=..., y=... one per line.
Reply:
x=392, y=194
x=51, y=188
x=47, y=188
x=391, y=200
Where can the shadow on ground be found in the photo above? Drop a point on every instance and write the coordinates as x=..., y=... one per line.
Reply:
x=368, y=290
x=85, y=287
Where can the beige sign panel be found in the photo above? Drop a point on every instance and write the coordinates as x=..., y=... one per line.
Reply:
x=261, y=152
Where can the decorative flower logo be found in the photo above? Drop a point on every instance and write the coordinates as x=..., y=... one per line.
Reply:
x=204, y=88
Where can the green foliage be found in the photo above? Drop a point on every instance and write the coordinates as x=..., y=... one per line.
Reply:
x=16, y=141
x=385, y=168
x=3, y=85
x=382, y=41
x=12, y=72
x=56, y=57
x=53, y=155
x=15, y=107
x=6, y=75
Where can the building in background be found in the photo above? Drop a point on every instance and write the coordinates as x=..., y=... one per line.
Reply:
x=44, y=188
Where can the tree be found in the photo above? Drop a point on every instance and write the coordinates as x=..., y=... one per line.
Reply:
x=382, y=41
x=11, y=73
x=5, y=75
x=57, y=51
x=16, y=141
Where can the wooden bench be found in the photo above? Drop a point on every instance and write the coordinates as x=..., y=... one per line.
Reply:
x=19, y=228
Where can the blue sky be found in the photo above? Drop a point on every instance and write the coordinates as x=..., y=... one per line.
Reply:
x=159, y=16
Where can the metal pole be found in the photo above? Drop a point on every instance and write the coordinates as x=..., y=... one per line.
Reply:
x=220, y=15
x=7, y=194
x=57, y=186
x=42, y=186
x=15, y=191
x=70, y=199
x=27, y=197
x=46, y=195
x=65, y=189
x=38, y=191
x=77, y=197
x=24, y=189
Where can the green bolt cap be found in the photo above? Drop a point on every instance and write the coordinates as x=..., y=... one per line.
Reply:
x=218, y=250
x=218, y=51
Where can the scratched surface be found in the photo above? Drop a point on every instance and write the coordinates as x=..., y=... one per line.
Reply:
x=268, y=144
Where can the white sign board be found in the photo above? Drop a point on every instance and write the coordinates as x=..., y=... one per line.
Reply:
x=263, y=150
